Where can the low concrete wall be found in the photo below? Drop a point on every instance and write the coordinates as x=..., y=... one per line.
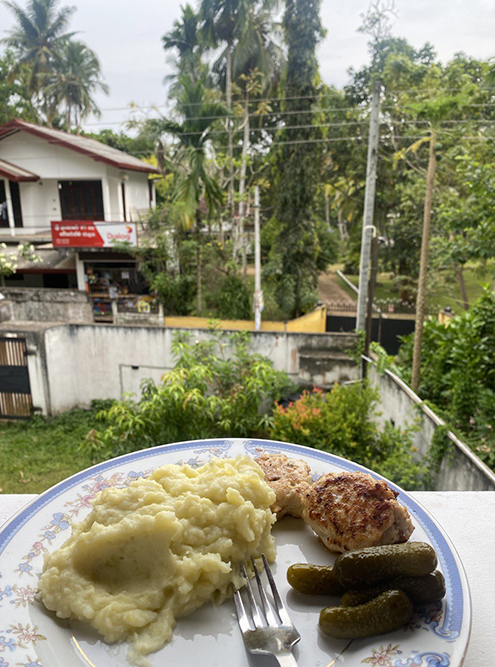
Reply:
x=314, y=322
x=5, y=310
x=77, y=363
x=47, y=305
x=461, y=469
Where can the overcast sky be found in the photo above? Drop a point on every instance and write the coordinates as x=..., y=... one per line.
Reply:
x=126, y=35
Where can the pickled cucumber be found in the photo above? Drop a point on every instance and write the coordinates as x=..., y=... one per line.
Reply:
x=420, y=590
x=314, y=579
x=365, y=567
x=389, y=611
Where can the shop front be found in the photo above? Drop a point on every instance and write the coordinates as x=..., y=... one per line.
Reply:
x=109, y=276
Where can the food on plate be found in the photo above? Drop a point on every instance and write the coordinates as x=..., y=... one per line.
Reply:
x=351, y=510
x=420, y=590
x=387, y=612
x=365, y=567
x=159, y=548
x=406, y=575
x=314, y=579
x=289, y=479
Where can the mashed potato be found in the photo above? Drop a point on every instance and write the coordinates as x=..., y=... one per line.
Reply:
x=158, y=549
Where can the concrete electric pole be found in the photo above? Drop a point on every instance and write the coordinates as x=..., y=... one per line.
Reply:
x=369, y=205
x=258, y=294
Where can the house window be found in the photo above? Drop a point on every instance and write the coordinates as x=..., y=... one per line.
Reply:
x=124, y=202
x=81, y=200
x=4, y=214
x=150, y=192
x=16, y=203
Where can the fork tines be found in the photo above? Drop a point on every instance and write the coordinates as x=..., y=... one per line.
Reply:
x=266, y=628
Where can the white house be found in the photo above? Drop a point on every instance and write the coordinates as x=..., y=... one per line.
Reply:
x=59, y=190
x=48, y=174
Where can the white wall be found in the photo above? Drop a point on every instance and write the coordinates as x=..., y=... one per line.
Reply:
x=49, y=160
x=40, y=201
x=116, y=211
x=85, y=362
x=137, y=194
x=460, y=469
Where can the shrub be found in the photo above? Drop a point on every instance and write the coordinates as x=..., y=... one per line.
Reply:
x=233, y=300
x=341, y=422
x=207, y=394
x=458, y=373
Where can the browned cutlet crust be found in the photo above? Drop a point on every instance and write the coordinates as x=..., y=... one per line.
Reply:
x=353, y=510
x=289, y=479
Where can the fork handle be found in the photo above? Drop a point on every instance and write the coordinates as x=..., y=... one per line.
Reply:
x=286, y=660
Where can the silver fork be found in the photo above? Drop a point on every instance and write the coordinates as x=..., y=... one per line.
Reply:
x=265, y=630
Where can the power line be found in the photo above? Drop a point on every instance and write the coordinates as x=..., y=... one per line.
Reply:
x=281, y=113
x=322, y=125
x=362, y=138
x=275, y=129
x=261, y=115
x=316, y=96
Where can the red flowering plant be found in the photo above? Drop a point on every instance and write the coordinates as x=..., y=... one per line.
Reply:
x=341, y=421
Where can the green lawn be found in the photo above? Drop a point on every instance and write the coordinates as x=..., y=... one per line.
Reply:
x=444, y=292
x=36, y=454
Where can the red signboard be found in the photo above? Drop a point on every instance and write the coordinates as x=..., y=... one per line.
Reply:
x=84, y=234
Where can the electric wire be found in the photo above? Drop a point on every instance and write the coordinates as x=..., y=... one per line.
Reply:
x=317, y=95
x=363, y=139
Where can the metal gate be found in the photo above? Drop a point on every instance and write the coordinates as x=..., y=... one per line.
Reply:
x=15, y=390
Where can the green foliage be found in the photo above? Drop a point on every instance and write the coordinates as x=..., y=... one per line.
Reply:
x=440, y=448
x=207, y=394
x=458, y=372
x=75, y=79
x=15, y=101
x=233, y=300
x=139, y=146
x=176, y=292
x=59, y=74
x=296, y=166
x=327, y=249
x=383, y=360
x=341, y=422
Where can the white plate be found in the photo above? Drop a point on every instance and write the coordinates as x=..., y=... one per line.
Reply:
x=33, y=637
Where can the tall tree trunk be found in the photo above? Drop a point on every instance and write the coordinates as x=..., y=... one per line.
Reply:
x=242, y=185
x=228, y=95
x=199, y=285
x=327, y=208
x=423, y=265
x=459, y=270
x=342, y=229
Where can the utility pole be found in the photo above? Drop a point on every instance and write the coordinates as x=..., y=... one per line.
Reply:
x=371, y=296
x=258, y=294
x=369, y=205
x=423, y=264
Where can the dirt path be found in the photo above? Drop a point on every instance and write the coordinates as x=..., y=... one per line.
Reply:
x=330, y=290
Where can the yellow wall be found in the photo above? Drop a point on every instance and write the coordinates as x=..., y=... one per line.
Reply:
x=314, y=322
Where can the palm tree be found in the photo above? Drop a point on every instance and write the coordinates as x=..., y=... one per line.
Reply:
x=224, y=21
x=194, y=181
x=236, y=23
x=257, y=65
x=38, y=37
x=76, y=78
x=185, y=37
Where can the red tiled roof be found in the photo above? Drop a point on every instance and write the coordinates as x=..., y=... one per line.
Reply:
x=14, y=173
x=75, y=142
